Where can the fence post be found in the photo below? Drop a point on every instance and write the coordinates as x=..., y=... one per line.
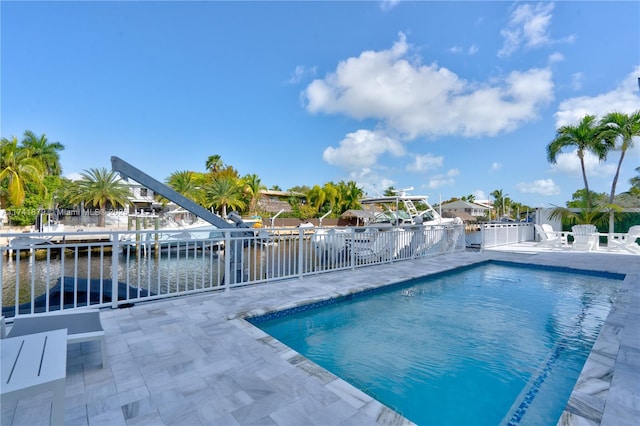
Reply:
x=115, y=247
x=300, y=252
x=352, y=252
x=227, y=259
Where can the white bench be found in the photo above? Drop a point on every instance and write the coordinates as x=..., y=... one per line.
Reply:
x=81, y=325
x=35, y=363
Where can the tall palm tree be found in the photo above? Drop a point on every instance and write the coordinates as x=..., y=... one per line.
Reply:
x=587, y=136
x=350, y=195
x=252, y=188
x=99, y=187
x=625, y=128
x=223, y=192
x=316, y=197
x=47, y=152
x=498, y=197
x=214, y=163
x=18, y=166
x=332, y=195
x=185, y=183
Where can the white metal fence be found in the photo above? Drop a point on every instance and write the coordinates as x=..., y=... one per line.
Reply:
x=499, y=234
x=52, y=271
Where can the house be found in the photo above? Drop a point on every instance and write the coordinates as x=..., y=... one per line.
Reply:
x=461, y=206
x=273, y=201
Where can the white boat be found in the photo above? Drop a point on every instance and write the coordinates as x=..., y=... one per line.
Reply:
x=407, y=227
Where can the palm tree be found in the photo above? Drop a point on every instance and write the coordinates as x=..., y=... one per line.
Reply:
x=316, y=197
x=18, y=166
x=350, y=195
x=594, y=215
x=635, y=183
x=252, y=188
x=498, y=198
x=185, y=183
x=47, y=152
x=99, y=187
x=214, y=163
x=586, y=136
x=625, y=128
x=223, y=192
x=332, y=195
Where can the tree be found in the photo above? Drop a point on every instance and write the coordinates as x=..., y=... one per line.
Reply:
x=316, y=197
x=99, y=187
x=635, y=183
x=350, y=196
x=592, y=215
x=45, y=151
x=498, y=198
x=185, y=183
x=223, y=192
x=332, y=196
x=625, y=128
x=587, y=136
x=252, y=188
x=214, y=163
x=17, y=167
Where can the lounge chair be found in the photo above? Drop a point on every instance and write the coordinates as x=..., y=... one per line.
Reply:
x=628, y=241
x=585, y=237
x=82, y=326
x=549, y=237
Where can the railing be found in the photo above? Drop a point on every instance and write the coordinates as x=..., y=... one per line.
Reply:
x=54, y=271
x=499, y=234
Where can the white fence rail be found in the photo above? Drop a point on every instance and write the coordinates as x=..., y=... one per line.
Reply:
x=500, y=234
x=54, y=271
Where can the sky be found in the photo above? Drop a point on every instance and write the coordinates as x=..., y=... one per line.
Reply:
x=450, y=98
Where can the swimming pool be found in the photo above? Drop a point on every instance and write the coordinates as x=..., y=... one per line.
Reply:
x=492, y=344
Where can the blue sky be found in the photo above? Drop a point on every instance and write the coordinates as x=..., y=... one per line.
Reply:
x=451, y=98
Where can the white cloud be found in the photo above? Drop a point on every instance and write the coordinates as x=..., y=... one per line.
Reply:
x=576, y=80
x=540, y=186
x=496, y=166
x=427, y=100
x=425, y=162
x=527, y=27
x=386, y=5
x=372, y=183
x=300, y=72
x=623, y=98
x=480, y=194
x=472, y=50
x=362, y=149
x=556, y=57
x=441, y=180
x=74, y=176
x=569, y=163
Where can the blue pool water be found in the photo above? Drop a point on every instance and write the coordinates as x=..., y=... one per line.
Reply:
x=494, y=344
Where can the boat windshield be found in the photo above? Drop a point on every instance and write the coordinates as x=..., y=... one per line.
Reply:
x=395, y=216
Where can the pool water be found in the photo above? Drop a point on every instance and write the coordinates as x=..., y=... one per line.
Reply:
x=493, y=344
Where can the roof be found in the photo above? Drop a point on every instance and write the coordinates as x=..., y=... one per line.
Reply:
x=461, y=204
x=282, y=194
x=466, y=217
x=358, y=214
x=273, y=206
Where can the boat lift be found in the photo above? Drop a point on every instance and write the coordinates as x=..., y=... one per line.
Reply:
x=127, y=171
